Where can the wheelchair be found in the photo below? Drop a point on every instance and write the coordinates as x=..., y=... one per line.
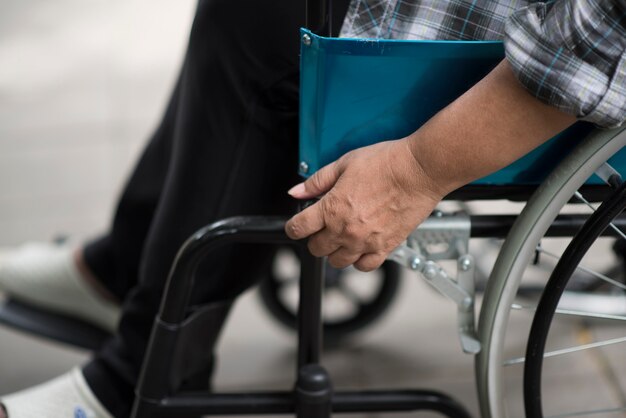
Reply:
x=571, y=187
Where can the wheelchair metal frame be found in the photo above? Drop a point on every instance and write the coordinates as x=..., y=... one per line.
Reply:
x=313, y=395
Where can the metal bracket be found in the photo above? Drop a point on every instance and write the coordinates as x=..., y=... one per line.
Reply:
x=442, y=236
x=445, y=237
x=466, y=315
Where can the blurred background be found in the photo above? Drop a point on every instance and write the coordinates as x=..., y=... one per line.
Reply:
x=82, y=85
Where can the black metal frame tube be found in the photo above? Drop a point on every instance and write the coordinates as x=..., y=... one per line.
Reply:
x=310, y=308
x=155, y=380
x=318, y=16
x=190, y=405
x=498, y=226
x=312, y=397
x=519, y=192
x=267, y=230
x=313, y=389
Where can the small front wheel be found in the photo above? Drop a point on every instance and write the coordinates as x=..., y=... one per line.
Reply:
x=352, y=299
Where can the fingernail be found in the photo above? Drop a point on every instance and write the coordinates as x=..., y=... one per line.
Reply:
x=297, y=190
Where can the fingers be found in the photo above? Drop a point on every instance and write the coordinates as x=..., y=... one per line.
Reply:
x=323, y=243
x=311, y=220
x=319, y=183
x=305, y=223
x=342, y=258
x=369, y=262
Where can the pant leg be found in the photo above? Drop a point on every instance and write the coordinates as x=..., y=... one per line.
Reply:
x=234, y=153
x=114, y=257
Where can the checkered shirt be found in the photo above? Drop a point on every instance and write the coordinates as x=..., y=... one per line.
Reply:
x=567, y=53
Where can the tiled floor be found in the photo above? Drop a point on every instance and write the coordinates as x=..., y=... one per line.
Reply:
x=81, y=86
x=414, y=346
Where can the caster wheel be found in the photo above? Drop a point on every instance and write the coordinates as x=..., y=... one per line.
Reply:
x=352, y=299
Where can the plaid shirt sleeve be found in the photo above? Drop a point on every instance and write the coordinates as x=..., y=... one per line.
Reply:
x=570, y=54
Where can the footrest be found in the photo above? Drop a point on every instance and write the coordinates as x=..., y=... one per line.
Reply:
x=58, y=327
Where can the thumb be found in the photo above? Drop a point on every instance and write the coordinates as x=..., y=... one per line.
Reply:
x=319, y=183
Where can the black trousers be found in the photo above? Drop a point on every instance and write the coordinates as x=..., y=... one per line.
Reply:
x=227, y=146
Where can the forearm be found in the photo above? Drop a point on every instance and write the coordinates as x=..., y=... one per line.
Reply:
x=494, y=123
x=374, y=196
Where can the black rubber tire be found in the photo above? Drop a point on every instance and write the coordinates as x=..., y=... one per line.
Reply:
x=612, y=207
x=336, y=331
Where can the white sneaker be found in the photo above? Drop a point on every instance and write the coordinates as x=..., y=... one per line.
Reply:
x=45, y=275
x=67, y=396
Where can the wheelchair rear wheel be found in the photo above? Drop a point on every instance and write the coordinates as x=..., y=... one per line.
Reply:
x=499, y=365
x=353, y=300
x=598, y=330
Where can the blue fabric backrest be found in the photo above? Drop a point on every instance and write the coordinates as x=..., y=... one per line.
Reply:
x=356, y=92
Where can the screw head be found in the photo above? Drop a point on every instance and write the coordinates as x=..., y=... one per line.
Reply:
x=303, y=167
x=466, y=263
x=306, y=39
x=416, y=263
x=430, y=272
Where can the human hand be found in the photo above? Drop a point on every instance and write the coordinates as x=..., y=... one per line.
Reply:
x=373, y=197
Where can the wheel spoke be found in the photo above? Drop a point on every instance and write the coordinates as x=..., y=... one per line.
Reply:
x=612, y=225
x=569, y=312
x=570, y=350
x=586, y=270
x=591, y=412
x=582, y=198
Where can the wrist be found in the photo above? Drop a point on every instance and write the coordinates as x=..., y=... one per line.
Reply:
x=428, y=163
